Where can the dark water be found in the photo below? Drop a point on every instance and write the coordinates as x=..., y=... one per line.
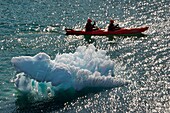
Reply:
x=29, y=27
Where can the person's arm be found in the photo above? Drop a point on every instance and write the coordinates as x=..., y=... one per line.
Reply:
x=96, y=28
x=94, y=23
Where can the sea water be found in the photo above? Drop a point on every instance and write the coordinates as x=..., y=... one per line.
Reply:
x=30, y=27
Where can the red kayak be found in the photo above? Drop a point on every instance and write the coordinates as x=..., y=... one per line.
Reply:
x=121, y=31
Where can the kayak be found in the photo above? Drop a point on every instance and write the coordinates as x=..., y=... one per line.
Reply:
x=120, y=31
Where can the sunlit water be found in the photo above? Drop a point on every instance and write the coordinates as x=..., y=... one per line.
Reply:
x=27, y=28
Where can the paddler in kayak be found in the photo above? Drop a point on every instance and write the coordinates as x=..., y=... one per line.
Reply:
x=89, y=26
x=113, y=27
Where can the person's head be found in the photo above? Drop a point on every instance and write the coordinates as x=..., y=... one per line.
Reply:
x=89, y=20
x=111, y=21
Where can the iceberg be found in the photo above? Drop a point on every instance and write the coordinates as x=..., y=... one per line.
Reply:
x=85, y=68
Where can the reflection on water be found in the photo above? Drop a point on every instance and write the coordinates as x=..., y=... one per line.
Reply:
x=30, y=27
x=27, y=102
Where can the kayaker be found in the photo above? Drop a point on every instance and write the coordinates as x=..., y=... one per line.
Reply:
x=113, y=27
x=89, y=26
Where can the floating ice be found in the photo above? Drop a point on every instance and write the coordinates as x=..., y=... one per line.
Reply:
x=87, y=67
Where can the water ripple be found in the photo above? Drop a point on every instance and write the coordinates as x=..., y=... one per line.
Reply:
x=29, y=27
